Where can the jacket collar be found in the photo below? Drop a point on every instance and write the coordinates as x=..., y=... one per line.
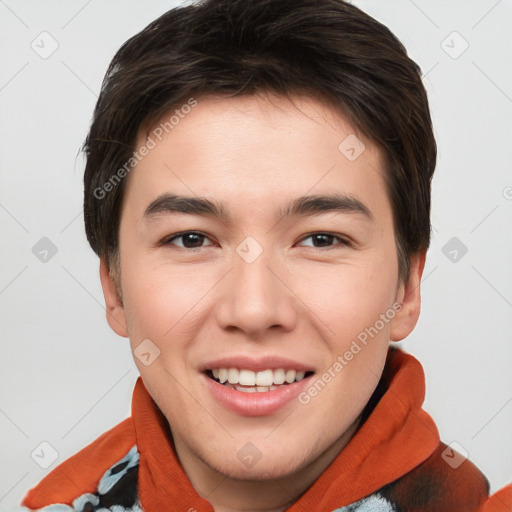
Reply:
x=395, y=436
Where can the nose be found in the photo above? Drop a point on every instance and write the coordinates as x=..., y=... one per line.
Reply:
x=255, y=297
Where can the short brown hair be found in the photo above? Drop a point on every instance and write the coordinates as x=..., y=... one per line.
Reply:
x=327, y=48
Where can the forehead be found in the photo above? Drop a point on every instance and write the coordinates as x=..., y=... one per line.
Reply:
x=254, y=150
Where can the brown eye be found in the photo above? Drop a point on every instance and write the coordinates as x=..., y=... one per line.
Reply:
x=190, y=240
x=325, y=240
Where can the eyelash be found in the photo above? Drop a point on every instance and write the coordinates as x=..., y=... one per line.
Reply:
x=344, y=242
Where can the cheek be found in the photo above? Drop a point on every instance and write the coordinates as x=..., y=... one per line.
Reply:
x=347, y=299
x=161, y=301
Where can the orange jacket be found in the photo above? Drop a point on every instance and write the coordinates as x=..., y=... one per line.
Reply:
x=394, y=462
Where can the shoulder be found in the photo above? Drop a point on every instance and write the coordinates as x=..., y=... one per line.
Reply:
x=501, y=501
x=81, y=474
x=446, y=481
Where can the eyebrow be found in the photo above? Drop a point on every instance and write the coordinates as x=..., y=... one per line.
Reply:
x=298, y=207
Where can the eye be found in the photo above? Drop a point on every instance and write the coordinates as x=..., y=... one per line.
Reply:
x=190, y=239
x=195, y=239
x=325, y=239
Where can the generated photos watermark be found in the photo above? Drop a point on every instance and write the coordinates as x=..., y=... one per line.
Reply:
x=157, y=134
x=343, y=360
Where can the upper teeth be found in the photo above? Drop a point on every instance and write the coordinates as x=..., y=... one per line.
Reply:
x=263, y=378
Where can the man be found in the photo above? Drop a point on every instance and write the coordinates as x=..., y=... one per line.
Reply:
x=257, y=188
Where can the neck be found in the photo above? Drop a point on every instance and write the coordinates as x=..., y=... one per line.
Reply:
x=230, y=494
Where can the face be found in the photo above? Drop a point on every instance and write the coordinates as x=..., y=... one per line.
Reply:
x=256, y=284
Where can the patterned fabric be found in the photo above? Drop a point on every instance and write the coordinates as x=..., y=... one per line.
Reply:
x=422, y=489
x=374, y=503
x=117, y=492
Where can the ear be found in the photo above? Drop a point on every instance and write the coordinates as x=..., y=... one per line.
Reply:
x=113, y=304
x=409, y=296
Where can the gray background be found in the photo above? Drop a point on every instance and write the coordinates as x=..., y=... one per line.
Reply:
x=66, y=378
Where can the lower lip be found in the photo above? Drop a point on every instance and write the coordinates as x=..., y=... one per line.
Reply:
x=254, y=404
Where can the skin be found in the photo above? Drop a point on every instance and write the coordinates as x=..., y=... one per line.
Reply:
x=302, y=298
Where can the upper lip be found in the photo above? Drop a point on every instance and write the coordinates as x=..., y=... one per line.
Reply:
x=255, y=364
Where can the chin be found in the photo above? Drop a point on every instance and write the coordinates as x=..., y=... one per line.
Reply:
x=272, y=467
x=263, y=472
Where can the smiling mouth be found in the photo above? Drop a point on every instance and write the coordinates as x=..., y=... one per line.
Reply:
x=248, y=381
